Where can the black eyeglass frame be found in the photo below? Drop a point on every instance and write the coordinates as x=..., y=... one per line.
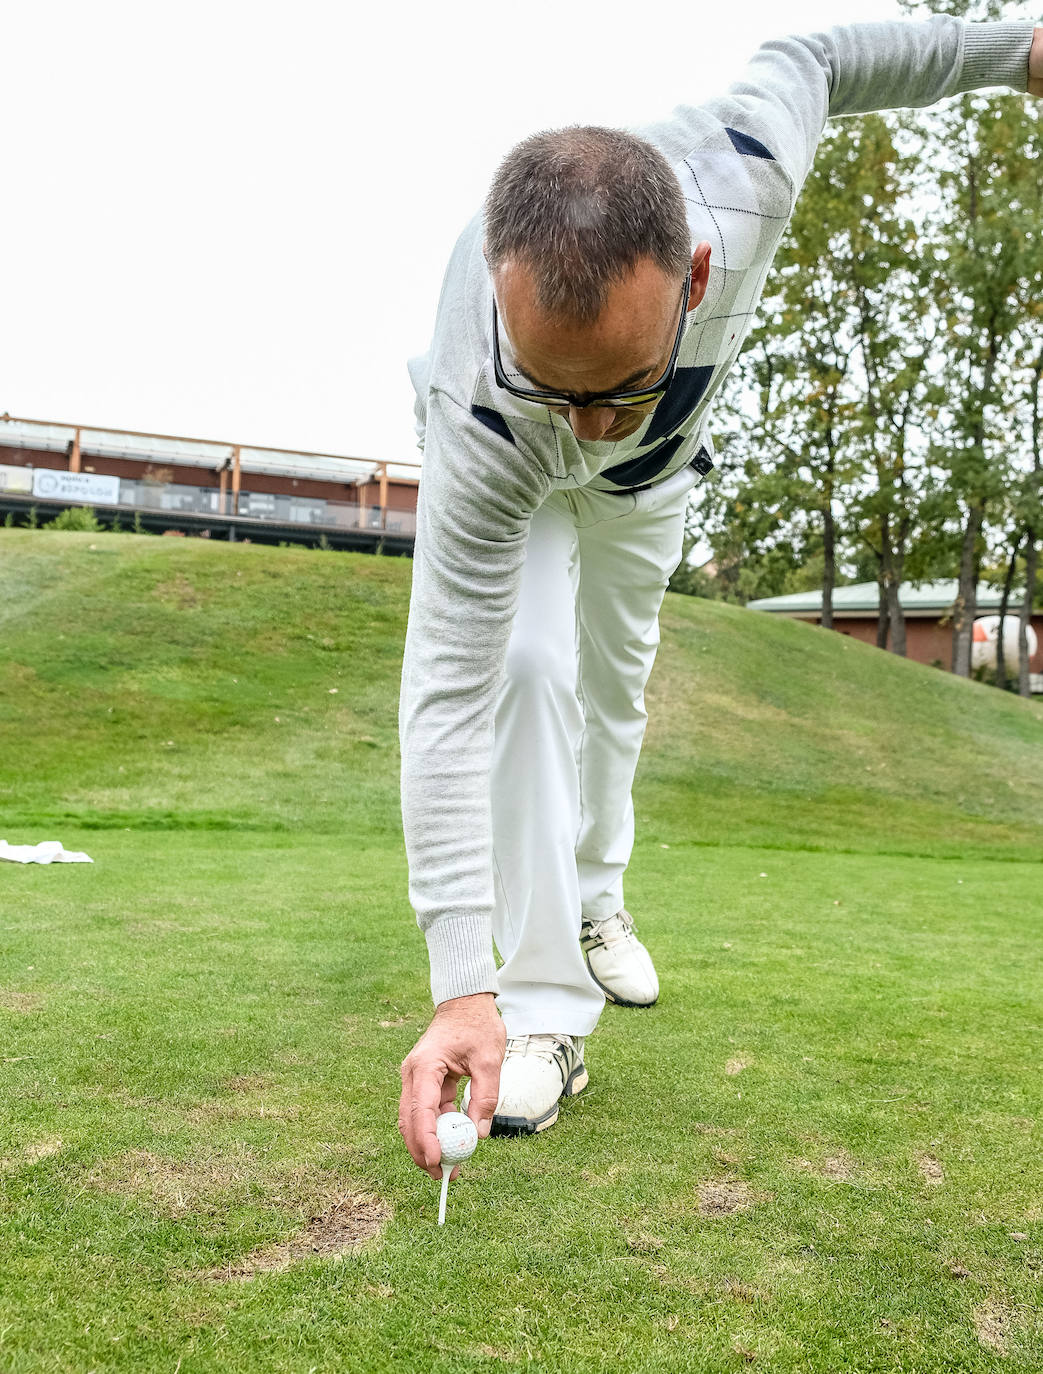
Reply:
x=618, y=400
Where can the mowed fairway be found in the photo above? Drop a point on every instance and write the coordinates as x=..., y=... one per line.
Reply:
x=819, y=1152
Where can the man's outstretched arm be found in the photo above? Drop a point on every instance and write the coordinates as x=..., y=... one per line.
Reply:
x=793, y=85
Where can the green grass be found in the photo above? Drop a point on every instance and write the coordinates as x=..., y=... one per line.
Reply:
x=819, y=1152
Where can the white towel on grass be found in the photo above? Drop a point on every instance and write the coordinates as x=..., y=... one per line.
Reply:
x=47, y=852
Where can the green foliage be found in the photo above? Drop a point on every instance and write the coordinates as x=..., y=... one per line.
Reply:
x=80, y=518
x=807, y=578
x=887, y=415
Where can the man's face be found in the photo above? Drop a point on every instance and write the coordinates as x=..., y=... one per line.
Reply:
x=628, y=345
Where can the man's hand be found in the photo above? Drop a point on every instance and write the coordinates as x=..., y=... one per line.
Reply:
x=1036, y=64
x=465, y=1039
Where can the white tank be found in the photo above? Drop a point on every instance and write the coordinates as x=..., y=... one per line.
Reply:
x=987, y=632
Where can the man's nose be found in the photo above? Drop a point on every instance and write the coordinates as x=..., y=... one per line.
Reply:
x=591, y=422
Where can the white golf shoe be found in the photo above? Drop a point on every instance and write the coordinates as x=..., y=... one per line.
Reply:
x=537, y=1072
x=619, y=962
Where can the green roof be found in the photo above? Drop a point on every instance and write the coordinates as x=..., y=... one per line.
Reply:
x=927, y=598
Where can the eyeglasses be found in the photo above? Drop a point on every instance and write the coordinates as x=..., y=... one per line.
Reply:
x=617, y=400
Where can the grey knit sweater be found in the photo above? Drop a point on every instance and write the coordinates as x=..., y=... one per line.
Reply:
x=491, y=460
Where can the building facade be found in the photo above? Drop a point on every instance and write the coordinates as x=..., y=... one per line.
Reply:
x=928, y=618
x=206, y=487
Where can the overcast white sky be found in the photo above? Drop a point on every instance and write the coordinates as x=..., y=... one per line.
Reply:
x=230, y=220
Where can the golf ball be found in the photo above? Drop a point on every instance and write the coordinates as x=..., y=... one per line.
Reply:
x=457, y=1135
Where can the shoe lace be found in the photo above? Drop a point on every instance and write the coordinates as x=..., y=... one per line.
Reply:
x=612, y=930
x=540, y=1046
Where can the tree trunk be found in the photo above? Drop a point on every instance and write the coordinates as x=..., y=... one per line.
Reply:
x=829, y=571
x=896, y=615
x=896, y=620
x=966, y=596
x=1001, y=651
x=883, y=579
x=1025, y=618
x=882, y=617
x=1031, y=552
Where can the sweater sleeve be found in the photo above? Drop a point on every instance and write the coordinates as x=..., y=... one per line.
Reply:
x=792, y=85
x=477, y=494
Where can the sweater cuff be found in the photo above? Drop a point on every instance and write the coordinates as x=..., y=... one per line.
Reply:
x=996, y=55
x=461, y=951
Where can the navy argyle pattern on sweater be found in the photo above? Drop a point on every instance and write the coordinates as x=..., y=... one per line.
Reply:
x=739, y=199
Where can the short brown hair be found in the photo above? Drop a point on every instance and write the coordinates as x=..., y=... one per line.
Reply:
x=580, y=206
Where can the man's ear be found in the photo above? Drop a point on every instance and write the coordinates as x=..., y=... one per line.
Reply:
x=700, y=274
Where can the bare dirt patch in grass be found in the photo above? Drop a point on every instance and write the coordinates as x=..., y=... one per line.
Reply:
x=994, y=1324
x=644, y=1243
x=37, y=1150
x=247, y=1083
x=726, y=1159
x=839, y=1168
x=493, y=1352
x=174, y=1186
x=744, y=1292
x=340, y=1218
x=347, y=1223
x=43, y=1149
x=930, y=1170
x=722, y=1197
x=22, y=1002
x=735, y=1066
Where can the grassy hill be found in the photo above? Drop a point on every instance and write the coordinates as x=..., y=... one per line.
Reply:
x=817, y=1152
x=180, y=684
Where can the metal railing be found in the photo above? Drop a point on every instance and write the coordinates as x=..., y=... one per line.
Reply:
x=260, y=505
x=158, y=498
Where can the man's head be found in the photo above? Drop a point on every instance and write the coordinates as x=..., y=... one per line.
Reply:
x=587, y=240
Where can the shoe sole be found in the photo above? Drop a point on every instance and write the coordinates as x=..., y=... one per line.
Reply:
x=527, y=1125
x=611, y=996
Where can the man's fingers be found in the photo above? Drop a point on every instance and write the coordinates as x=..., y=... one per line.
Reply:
x=417, y=1112
x=427, y=1091
x=485, y=1088
x=449, y=1086
x=466, y=1037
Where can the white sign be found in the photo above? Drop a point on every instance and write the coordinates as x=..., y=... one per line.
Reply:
x=16, y=479
x=76, y=486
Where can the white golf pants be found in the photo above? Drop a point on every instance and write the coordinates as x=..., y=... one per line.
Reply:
x=569, y=724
